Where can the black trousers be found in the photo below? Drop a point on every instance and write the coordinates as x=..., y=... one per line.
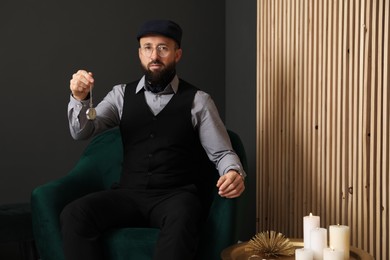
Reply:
x=178, y=213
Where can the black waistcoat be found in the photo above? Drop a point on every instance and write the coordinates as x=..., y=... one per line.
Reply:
x=162, y=151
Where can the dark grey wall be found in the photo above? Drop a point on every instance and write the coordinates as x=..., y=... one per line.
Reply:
x=44, y=42
x=241, y=98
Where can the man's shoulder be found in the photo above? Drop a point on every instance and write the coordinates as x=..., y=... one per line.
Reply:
x=184, y=83
x=199, y=92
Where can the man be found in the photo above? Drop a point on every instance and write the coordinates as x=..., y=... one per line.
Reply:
x=170, y=131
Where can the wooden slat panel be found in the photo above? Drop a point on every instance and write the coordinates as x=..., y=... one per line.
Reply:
x=323, y=117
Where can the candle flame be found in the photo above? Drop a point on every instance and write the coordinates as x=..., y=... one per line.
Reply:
x=311, y=214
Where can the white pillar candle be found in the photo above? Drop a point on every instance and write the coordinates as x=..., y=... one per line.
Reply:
x=309, y=222
x=333, y=254
x=339, y=238
x=303, y=254
x=318, y=241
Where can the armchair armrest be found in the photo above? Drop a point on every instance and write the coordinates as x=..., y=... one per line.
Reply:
x=48, y=200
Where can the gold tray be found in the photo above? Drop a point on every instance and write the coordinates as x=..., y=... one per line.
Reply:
x=238, y=252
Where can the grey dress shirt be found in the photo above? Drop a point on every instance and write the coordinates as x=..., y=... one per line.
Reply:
x=205, y=119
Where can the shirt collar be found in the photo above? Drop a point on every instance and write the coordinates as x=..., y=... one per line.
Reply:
x=172, y=87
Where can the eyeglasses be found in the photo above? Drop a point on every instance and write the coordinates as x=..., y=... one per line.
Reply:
x=162, y=50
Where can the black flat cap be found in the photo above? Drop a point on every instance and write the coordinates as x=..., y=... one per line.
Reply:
x=166, y=28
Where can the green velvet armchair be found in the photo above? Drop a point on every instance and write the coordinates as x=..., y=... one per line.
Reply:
x=97, y=169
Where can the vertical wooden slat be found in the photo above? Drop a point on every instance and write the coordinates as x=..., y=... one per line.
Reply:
x=309, y=106
x=338, y=27
x=297, y=169
x=332, y=101
x=266, y=74
x=385, y=133
x=328, y=109
x=291, y=77
x=378, y=130
x=315, y=109
x=271, y=129
x=344, y=56
x=366, y=117
x=299, y=90
x=355, y=112
x=350, y=110
x=386, y=125
x=278, y=108
x=284, y=147
x=323, y=117
x=271, y=107
x=304, y=105
x=373, y=216
x=289, y=116
x=360, y=120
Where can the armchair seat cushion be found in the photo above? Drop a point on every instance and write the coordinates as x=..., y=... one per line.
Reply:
x=131, y=243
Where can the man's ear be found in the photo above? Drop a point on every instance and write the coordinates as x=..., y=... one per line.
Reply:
x=178, y=54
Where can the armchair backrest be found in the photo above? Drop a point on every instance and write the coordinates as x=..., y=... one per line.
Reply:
x=105, y=153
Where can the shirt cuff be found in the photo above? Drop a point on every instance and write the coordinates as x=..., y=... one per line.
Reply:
x=238, y=169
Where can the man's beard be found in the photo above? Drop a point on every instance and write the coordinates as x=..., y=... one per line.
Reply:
x=160, y=77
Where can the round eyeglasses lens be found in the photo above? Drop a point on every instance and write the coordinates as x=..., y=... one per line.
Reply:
x=162, y=51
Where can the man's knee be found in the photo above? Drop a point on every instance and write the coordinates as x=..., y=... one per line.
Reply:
x=189, y=212
x=74, y=217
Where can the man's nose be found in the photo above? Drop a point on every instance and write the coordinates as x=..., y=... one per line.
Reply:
x=154, y=54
